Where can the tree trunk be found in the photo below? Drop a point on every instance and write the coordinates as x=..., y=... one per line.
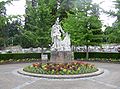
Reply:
x=4, y=44
x=41, y=50
x=12, y=41
x=87, y=52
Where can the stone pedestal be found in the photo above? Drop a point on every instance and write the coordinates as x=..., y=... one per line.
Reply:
x=61, y=56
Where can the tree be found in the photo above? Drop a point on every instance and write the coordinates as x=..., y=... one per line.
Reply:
x=117, y=14
x=39, y=20
x=84, y=26
x=112, y=33
x=3, y=21
x=13, y=31
x=107, y=32
x=65, y=6
x=28, y=39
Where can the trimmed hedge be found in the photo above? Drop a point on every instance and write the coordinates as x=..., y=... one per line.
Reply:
x=79, y=55
x=22, y=56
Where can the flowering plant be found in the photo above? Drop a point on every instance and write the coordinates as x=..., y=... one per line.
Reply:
x=75, y=67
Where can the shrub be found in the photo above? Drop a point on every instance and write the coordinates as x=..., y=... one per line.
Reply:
x=79, y=55
x=22, y=56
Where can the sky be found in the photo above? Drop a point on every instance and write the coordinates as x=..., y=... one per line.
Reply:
x=18, y=8
x=106, y=5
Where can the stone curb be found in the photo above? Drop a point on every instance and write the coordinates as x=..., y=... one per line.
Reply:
x=100, y=71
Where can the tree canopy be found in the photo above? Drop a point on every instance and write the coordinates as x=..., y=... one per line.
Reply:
x=113, y=33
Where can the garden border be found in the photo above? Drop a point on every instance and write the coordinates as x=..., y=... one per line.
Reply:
x=100, y=71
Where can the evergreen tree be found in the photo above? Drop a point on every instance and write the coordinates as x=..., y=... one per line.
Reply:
x=13, y=31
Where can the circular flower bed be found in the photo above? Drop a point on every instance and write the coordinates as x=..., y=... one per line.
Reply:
x=71, y=68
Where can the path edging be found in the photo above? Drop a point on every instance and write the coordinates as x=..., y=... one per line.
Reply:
x=100, y=71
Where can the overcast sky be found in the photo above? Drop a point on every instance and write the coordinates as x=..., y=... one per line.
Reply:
x=106, y=5
x=18, y=7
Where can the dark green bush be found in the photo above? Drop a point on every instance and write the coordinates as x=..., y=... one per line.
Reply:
x=22, y=56
x=79, y=55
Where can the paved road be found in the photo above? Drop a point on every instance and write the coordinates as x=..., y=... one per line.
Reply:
x=10, y=79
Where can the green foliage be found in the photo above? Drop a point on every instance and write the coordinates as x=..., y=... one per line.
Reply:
x=84, y=30
x=84, y=25
x=73, y=26
x=79, y=55
x=13, y=28
x=39, y=20
x=41, y=15
x=27, y=57
x=65, y=6
x=61, y=69
x=12, y=32
x=4, y=19
x=18, y=60
x=112, y=35
x=1, y=42
x=29, y=39
x=2, y=14
x=114, y=31
x=21, y=56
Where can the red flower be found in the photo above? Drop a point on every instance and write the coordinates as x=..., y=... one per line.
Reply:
x=36, y=65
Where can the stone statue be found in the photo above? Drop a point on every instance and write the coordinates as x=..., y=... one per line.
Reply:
x=66, y=42
x=58, y=43
x=56, y=31
x=60, y=50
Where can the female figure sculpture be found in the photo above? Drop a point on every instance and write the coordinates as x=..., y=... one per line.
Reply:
x=56, y=35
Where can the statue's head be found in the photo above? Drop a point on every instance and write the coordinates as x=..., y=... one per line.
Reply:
x=57, y=21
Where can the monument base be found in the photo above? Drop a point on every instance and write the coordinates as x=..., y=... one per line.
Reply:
x=61, y=56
